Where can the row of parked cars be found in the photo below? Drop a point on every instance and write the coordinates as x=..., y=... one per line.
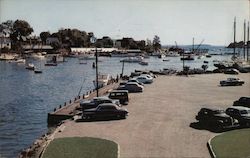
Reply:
x=110, y=106
x=235, y=116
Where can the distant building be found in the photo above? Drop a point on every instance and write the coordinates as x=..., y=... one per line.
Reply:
x=38, y=48
x=51, y=40
x=5, y=42
x=118, y=44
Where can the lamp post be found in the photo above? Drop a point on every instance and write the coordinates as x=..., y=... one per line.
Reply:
x=93, y=41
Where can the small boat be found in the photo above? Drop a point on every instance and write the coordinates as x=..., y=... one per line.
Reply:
x=172, y=54
x=205, y=61
x=208, y=55
x=50, y=64
x=143, y=63
x=30, y=66
x=188, y=57
x=103, y=80
x=132, y=59
x=165, y=60
x=37, y=71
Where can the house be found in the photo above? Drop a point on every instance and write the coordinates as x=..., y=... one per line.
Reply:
x=51, y=40
x=5, y=42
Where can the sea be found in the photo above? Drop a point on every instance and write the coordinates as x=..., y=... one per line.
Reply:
x=26, y=98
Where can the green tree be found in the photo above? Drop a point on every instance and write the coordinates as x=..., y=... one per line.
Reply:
x=156, y=43
x=44, y=36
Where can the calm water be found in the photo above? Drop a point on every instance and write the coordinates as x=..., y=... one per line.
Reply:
x=26, y=97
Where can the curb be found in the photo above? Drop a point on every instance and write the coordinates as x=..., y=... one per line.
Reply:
x=210, y=149
x=118, y=150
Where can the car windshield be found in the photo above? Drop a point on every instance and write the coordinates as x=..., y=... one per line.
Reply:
x=244, y=112
x=219, y=112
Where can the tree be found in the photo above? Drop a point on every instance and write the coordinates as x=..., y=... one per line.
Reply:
x=44, y=36
x=21, y=28
x=156, y=43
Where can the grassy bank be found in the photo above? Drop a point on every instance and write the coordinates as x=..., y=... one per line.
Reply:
x=81, y=147
x=232, y=144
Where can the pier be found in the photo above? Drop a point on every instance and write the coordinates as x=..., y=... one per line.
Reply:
x=67, y=111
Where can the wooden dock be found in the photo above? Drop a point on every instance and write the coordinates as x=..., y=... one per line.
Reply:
x=67, y=111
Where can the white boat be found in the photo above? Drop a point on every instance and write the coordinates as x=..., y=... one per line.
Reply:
x=7, y=57
x=39, y=55
x=172, y=54
x=103, y=80
x=132, y=59
x=143, y=62
x=30, y=66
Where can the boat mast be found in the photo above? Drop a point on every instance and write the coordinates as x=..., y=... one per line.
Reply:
x=234, y=35
x=244, y=42
x=193, y=46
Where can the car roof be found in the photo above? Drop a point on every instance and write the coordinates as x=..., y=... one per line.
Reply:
x=108, y=104
x=211, y=109
x=101, y=98
x=119, y=91
x=239, y=108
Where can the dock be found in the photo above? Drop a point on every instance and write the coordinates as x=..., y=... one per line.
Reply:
x=67, y=111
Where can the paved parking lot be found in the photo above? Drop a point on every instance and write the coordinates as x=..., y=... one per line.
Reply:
x=158, y=124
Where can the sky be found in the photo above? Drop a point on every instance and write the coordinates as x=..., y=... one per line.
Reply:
x=171, y=20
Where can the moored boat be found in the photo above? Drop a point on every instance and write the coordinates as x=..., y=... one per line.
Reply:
x=103, y=80
x=30, y=66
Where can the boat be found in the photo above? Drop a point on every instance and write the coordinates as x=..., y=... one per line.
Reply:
x=39, y=55
x=50, y=64
x=161, y=56
x=205, y=62
x=208, y=55
x=37, y=71
x=30, y=66
x=165, y=60
x=132, y=59
x=172, y=54
x=103, y=80
x=7, y=57
x=187, y=57
x=200, y=56
x=143, y=62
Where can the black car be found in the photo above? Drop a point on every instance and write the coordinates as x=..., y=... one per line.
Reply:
x=106, y=110
x=214, y=118
x=121, y=95
x=243, y=101
x=242, y=114
x=89, y=104
x=232, y=82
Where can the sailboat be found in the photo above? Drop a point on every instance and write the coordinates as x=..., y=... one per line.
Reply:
x=38, y=70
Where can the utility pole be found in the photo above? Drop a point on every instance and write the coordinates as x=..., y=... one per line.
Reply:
x=96, y=70
x=122, y=67
x=93, y=41
x=244, y=45
x=234, y=35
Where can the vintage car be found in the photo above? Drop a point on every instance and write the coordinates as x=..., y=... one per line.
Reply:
x=232, y=82
x=242, y=114
x=243, y=101
x=131, y=87
x=135, y=80
x=145, y=79
x=105, y=110
x=89, y=104
x=121, y=95
x=231, y=71
x=214, y=118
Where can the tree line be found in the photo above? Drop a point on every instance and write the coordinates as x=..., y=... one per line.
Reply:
x=20, y=31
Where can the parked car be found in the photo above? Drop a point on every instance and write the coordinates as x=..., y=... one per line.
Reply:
x=105, y=110
x=121, y=95
x=243, y=101
x=135, y=80
x=232, y=82
x=131, y=87
x=89, y=104
x=145, y=79
x=231, y=71
x=242, y=114
x=214, y=118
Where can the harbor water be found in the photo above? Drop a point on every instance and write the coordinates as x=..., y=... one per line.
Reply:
x=26, y=97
